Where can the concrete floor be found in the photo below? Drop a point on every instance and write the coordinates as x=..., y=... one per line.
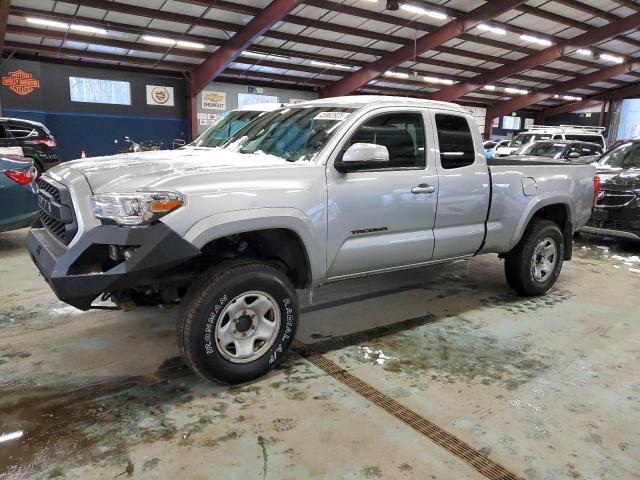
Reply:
x=548, y=387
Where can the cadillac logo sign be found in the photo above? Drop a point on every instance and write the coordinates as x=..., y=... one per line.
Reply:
x=21, y=82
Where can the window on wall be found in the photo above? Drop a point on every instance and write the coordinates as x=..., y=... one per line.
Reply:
x=245, y=99
x=96, y=90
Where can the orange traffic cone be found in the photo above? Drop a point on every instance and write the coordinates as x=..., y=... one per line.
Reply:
x=83, y=154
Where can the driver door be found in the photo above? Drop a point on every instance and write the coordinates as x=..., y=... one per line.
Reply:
x=383, y=218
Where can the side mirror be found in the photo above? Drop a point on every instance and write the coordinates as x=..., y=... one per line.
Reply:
x=573, y=155
x=362, y=156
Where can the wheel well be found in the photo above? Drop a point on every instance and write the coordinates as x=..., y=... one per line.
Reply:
x=559, y=214
x=278, y=246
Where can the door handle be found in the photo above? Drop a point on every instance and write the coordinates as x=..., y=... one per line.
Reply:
x=423, y=188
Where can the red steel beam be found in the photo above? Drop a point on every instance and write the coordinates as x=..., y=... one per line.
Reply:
x=232, y=48
x=427, y=42
x=516, y=104
x=4, y=17
x=618, y=94
x=547, y=55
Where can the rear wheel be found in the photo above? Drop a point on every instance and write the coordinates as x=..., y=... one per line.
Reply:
x=238, y=321
x=534, y=265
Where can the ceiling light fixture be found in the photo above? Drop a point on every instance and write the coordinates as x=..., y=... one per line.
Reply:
x=47, y=23
x=389, y=73
x=516, y=91
x=539, y=41
x=585, y=52
x=423, y=11
x=330, y=65
x=187, y=44
x=489, y=28
x=489, y=87
x=88, y=29
x=160, y=40
x=611, y=58
x=571, y=98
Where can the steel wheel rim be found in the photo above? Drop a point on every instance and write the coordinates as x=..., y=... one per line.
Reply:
x=247, y=327
x=545, y=258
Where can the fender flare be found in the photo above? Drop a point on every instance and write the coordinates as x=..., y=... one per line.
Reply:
x=536, y=204
x=240, y=221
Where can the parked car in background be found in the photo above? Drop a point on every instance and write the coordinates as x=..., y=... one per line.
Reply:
x=617, y=209
x=573, y=151
x=30, y=140
x=18, y=193
x=219, y=132
x=563, y=132
x=491, y=146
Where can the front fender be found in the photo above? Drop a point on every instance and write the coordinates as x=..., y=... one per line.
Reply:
x=230, y=223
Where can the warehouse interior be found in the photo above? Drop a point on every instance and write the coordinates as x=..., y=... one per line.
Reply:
x=437, y=371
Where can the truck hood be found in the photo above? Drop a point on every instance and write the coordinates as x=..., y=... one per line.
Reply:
x=129, y=172
x=629, y=180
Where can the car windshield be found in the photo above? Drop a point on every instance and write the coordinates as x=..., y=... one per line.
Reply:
x=625, y=156
x=544, y=149
x=293, y=134
x=219, y=132
x=524, y=138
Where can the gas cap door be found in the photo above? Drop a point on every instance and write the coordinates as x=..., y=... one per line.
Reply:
x=529, y=187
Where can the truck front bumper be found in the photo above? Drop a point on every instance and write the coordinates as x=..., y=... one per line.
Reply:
x=107, y=259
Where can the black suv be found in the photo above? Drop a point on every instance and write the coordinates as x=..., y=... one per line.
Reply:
x=617, y=209
x=33, y=138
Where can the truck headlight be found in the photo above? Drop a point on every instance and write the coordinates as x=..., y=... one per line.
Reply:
x=140, y=208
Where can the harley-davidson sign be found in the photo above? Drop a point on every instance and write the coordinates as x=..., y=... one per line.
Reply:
x=21, y=82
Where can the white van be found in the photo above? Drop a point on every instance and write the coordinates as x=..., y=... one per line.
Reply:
x=563, y=132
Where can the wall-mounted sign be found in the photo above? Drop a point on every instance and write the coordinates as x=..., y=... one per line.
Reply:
x=208, y=119
x=158, y=95
x=214, y=100
x=21, y=82
x=258, y=90
x=528, y=122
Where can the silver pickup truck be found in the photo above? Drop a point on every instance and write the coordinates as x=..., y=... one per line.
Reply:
x=309, y=194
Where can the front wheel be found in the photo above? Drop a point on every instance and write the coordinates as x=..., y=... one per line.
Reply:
x=238, y=321
x=534, y=265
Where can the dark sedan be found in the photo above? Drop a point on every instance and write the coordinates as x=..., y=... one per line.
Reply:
x=29, y=139
x=617, y=209
x=18, y=193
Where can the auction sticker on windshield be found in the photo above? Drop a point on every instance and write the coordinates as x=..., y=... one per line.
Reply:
x=337, y=116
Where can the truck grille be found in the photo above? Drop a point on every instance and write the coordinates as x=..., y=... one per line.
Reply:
x=615, y=198
x=56, y=209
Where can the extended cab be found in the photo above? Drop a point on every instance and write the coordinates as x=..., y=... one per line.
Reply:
x=309, y=194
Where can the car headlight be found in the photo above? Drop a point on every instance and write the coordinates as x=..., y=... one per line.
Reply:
x=140, y=208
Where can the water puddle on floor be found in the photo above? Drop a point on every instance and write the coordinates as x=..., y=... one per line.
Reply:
x=624, y=256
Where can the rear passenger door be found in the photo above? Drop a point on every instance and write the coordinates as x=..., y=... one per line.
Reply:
x=382, y=218
x=464, y=186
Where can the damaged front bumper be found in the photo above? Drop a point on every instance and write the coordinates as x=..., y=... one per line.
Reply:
x=107, y=259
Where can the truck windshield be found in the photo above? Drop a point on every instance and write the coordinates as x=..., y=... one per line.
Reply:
x=525, y=138
x=293, y=134
x=625, y=156
x=219, y=132
x=544, y=149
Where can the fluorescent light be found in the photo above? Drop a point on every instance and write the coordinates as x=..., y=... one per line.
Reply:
x=186, y=44
x=585, y=52
x=444, y=81
x=253, y=54
x=5, y=437
x=160, y=40
x=611, y=58
x=47, y=23
x=396, y=74
x=88, y=29
x=423, y=11
x=516, y=90
x=539, y=41
x=489, y=28
x=331, y=65
x=571, y=98
x=489, y=87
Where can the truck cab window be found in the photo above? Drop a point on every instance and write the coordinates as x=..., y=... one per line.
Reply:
x=401, y=133
x=456, y=143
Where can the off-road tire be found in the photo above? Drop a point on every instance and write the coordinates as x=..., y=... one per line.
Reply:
x=218, y=286
x=518, y=266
